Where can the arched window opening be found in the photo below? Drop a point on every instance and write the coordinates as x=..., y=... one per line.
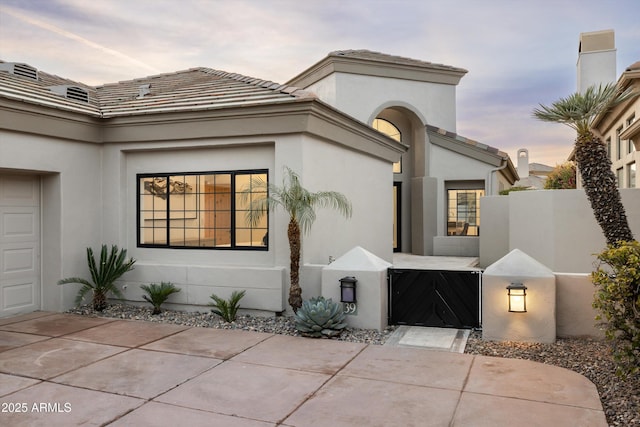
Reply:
x=389, y=129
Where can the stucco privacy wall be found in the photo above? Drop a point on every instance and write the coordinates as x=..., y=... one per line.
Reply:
x=352, y=93
x=575, y=317
x=556, y=227
x=71, y=204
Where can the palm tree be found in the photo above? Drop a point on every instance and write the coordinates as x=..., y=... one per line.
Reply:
x=300, y=204
x=579, y=111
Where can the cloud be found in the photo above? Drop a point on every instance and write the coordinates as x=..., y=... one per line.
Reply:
x=40, y=24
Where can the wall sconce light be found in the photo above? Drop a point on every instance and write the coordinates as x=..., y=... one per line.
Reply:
x=517, y=297
x=348, y=289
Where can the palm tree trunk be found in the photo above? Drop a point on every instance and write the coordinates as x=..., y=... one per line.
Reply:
x=599, y=184
x=295, y=292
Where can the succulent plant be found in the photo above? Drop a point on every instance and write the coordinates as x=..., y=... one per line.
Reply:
x=320, y=317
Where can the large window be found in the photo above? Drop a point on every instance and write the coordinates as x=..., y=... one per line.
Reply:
x=463, y=213
x=631, y=175
x=619, y=180
x=200, y=210
x=631, y=147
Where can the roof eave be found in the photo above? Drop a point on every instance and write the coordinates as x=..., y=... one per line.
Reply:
x=337, y=64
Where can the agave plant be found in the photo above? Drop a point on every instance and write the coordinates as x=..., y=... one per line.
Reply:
x=104, y=273
x=319, y=317
x=158, y=294
x=227, y=309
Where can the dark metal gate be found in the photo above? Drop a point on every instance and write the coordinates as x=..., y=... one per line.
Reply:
x=441, y=298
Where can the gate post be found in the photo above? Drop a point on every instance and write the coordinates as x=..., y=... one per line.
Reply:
x=370, y=271
x=538, y=322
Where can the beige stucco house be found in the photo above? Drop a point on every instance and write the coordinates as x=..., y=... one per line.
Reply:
x=155, y=165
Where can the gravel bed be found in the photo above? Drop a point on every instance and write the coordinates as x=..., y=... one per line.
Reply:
x=283, y=325
x=591, y=358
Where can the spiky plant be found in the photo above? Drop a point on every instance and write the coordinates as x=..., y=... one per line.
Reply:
x=301, y=206
x=579, y=112
x=158, y=294
x=104, y=273
x=320, y=317
x=227, y=309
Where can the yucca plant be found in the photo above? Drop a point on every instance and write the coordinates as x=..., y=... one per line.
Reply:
x=111, y=266
x=158, y=294
x=320, y=317
x=227, y=309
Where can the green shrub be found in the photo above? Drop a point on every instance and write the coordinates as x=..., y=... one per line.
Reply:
x=227, y=309
x=104, y=273
x=319, y=317
x=158, y=294
x=617, y=298
x=562, y=177
x=512, y=189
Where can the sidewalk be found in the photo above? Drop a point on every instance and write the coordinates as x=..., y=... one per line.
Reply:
x=66, y=370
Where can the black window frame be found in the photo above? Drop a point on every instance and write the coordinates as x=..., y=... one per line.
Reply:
x=233, y=227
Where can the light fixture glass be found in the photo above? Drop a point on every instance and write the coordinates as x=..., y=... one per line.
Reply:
x=348, y=289
x=517, y=293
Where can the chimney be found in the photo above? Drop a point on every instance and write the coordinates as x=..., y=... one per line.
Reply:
x=596, y=59
x=523, y=163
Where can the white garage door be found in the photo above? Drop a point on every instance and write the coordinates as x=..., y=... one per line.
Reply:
x=19, y=244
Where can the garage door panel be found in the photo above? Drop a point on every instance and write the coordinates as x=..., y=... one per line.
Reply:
x=19, y=224
x=19, y=260
x=18, y=295
x=19, y=244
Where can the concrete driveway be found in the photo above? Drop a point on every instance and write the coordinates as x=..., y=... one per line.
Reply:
x=66, y=370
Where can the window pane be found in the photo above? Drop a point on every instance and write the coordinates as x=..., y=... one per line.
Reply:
x=463, y=214
x=197, y=210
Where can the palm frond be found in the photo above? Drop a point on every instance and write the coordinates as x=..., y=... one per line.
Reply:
x=579, y=110
x=82, y=292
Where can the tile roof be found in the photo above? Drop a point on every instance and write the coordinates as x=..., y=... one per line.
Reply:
x=634, y=66
x=193, y=89
x=469, y=142
x=392, y=59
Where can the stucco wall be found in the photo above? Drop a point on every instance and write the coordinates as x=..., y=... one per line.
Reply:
x=353, y=94
x=365, y=180
x=575, y=317
x=71, y=205
x=556, y=227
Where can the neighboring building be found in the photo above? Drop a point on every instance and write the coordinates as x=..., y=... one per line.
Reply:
x=618, y=129
x=532, y=175
x=154, y=165
x=596, y=59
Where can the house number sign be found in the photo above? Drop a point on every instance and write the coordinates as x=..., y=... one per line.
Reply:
x=350, y=308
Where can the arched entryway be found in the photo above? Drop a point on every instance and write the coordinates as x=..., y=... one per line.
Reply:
x=404, y=125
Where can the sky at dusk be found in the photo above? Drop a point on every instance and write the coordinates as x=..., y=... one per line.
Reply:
x=518, y=53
